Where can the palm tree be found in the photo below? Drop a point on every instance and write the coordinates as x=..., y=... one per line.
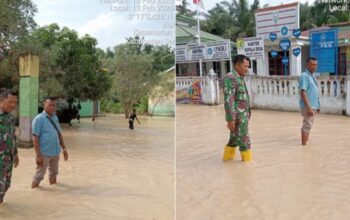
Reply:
x=306, y=17
x=341, y=16
x=241, y=19
x=182, y=9
x=321, y=14
x=232, y=19
x=218, y=21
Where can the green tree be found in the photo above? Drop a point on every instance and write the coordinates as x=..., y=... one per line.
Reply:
x=70, y=67
x=164, y=88
x=182, y=9
x=134, y=79
x=163, y=57
x=306, y=17
x=232, y=19
x=320, y=14
x=133, y=76
x=16, y=19
x=217, y=22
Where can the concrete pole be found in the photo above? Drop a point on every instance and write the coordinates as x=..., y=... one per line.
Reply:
x=199, y=42
x=348, y=98
x=28, y=97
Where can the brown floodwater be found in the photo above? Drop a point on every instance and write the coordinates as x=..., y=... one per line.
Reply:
x=285, y=180
x=112, y=173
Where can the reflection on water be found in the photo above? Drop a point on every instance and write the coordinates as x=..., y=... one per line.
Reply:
x=285, y=180
x=112, y=173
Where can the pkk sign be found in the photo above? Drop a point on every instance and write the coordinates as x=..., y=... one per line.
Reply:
x=324, y=47
x=218, y=51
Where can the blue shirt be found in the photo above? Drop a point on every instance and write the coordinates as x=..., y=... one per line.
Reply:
x=49, y=141
x=307, y=82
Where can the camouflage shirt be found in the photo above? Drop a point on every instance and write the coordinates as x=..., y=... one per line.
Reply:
x=236, y=97
x=8, y=148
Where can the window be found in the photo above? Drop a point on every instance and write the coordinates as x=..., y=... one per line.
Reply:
x=217, y=68
x=342, y=62
x=276, y=66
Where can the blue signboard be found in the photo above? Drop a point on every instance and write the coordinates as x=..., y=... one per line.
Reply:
x=285, y=60
x=285, y=44
x=274, y=53
x=296, y=33
x=284, y=30
x=323, y=46
x=272, y=36
x=296, y=51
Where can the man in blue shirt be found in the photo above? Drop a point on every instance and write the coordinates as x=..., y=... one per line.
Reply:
x=309, y=97
x=47, y=141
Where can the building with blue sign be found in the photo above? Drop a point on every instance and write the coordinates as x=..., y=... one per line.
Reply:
x=283, y=46
x=331, y=45
x=283, y=57
x=287, y=48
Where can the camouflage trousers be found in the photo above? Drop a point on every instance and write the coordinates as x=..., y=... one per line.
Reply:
x=5, y=178
x=240, y=137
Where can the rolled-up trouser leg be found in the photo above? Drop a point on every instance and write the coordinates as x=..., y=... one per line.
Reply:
x=48, y=162
x=53, y=166
x=307, y=121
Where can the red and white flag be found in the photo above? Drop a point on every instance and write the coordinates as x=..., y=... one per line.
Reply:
x=199, y=3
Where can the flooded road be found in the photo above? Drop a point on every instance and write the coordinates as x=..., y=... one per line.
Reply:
x=112, y=173
x=285, y=180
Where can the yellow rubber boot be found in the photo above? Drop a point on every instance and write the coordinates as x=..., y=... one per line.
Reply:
x=246, y=155
x=229, y=153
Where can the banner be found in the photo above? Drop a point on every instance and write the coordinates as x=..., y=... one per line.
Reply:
x=252, y=47
x=206, y=51
x=323, y=46
x=218, y=51
x=181, y=54
x=196, y=52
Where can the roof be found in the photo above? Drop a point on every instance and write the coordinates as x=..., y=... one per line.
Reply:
x=340, y=24
x=186, y=35
x=186, y=19
x=170, y=69
x=186, y=31
x=343, y=30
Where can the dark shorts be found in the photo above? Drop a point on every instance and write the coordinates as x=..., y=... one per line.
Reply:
x=131, y=124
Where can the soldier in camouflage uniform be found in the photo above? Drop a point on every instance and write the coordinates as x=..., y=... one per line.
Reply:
x=237, y=109
x=8, y=148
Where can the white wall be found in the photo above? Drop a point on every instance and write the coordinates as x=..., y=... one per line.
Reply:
x=210, y=93
x=281, y=93
x=295, y=62
x=277, y=93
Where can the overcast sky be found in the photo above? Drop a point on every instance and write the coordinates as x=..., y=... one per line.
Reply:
x=110, y=27
x=98, y=19
x=209, y=4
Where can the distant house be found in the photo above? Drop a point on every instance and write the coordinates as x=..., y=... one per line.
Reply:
x=343, y=29
x=186, y=34
x=158, y=104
